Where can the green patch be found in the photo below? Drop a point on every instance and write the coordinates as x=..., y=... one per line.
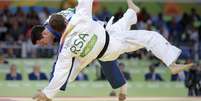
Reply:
x=89, y=46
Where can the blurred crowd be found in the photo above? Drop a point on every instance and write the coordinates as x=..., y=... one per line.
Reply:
x=182, y=30
x=15, y=30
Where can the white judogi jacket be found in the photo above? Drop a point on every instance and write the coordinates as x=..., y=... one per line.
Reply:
x=81, y=46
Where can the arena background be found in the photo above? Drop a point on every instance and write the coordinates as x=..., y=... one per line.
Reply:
x=17, y=49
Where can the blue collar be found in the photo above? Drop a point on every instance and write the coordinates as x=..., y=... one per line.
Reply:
x=69, y=19
x=55, y=33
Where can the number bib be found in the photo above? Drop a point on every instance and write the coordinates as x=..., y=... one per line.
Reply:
x=82, y=44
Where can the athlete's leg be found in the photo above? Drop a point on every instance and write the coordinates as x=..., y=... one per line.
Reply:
x=154, y=42
x=65, y=72
x=129, y=18
x=113, y=73
x=115, y=77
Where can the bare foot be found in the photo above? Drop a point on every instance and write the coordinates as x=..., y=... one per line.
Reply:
x=176, y=68
x=133, y=6
x=40, y=96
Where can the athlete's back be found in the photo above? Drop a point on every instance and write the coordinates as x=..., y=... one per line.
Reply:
x=87, y=38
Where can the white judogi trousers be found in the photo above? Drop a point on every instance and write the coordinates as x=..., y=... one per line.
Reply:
x=124, y=40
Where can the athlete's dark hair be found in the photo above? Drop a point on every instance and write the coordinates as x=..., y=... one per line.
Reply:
x=36, y=33
x=57, y=22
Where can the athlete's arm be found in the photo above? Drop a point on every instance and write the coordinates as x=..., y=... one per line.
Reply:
x=68, y=29
x=83, y=13
x=60, y=75
x=84, y=8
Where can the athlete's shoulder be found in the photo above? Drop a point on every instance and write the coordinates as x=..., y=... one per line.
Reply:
x=67, y=11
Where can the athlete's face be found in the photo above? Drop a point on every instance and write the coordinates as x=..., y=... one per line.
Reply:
x=47, y=38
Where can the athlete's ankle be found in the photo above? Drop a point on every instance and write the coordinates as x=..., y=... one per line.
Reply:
x=132, y=6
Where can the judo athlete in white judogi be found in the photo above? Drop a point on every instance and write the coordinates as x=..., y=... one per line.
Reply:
x=48, y=32
x=84, y=40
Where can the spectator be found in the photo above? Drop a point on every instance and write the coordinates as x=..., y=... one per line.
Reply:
x=194, y=15
x=118, y=14
x=175, y=29
x=144, y=20
x=13, y=75
x=122, y=69
x=15, y=29
x=160, y=22
x=3, y=30
x=179, y=77
x=2, y=60
x=43, y=15
x=185, y=20
x=152, y=76
x=144, y=16
x=164, y=32
x=37, y=74
x=82, y=77
x=193, y=81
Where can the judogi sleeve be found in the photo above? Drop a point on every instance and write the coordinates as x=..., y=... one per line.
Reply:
x=83, y=12
x=60, y=74
x=84, y=7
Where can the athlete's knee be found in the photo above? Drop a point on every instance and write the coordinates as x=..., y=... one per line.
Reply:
x=157, y=40
x=154, y=34
x=153, y=38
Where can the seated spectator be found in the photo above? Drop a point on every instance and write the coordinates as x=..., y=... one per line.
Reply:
x=179, y=77
x=193, y=81
x=122, y=69
x=2, y=60
x=37, y=74
x=13, y=75
x=152, y=76
x=82, y=77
